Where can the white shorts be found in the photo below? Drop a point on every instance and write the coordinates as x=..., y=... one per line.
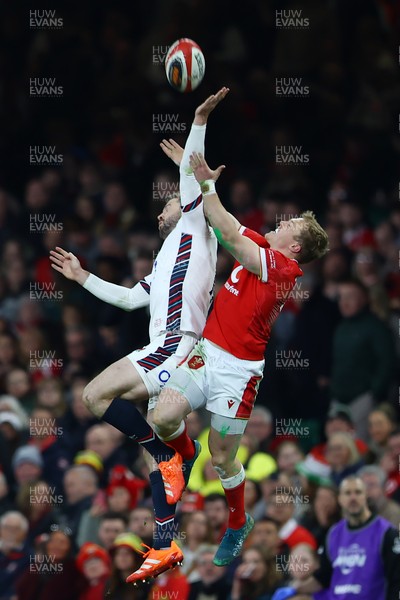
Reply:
x=156, y=362
x=213, y=378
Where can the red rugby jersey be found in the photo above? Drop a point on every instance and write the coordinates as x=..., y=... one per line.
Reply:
x=247, y=305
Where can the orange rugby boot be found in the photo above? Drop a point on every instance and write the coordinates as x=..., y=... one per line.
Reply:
x=172, y=475
x=156, y=562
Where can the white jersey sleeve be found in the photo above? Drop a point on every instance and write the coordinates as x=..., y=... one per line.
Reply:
x=126, y=298
x=193, y=220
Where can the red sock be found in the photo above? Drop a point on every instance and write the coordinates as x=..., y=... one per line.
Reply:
x=183, y=444
x=235, y=499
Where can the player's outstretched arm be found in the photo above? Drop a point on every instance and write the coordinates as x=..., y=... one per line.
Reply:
x=68, y=264
x=126, y=298
x=225, y=227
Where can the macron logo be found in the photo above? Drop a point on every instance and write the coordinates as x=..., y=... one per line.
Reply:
x=230, y=403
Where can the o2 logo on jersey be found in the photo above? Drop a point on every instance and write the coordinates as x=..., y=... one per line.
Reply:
x=163, y=377
x=235, y=272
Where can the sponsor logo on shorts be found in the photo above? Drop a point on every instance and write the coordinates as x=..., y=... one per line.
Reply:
x=230, y=403
x=196, y=362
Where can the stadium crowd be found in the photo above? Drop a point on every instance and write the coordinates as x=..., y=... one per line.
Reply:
x=74, y=494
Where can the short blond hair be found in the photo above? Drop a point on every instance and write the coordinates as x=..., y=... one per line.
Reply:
x=312, y=238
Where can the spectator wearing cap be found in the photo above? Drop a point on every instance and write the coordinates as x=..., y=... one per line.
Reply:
x=46, y=435
x=94, y=563
x=375, y=479
x=124, y=490
x=12, y=429
x=363, y=356
x=125, y=555
x=342, y=457
x=14, y=552
x=80, y=486
x=27, y=465
x=51, y=573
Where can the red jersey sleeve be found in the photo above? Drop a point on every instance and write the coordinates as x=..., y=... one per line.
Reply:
x=253, y=235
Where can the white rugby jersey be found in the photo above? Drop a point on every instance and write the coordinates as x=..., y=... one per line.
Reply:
x=179, y=289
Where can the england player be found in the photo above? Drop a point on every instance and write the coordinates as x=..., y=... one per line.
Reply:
x=225, y=368
x=361, y=556
x=178, y=292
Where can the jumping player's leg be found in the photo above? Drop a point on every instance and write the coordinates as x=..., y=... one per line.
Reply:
x=224, y=440
x=116, y=380
x=104, y=397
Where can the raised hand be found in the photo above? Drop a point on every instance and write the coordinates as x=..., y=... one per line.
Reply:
x=203, y=111
x=67, y=264
x=201, y=170
x=173, y=150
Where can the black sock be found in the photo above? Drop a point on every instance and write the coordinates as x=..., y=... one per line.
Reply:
x=164, y=512
x=127, y=418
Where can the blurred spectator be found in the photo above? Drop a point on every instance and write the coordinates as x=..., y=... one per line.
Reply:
x=141, y=523
x=281, y=508
x=18, y=384
x=216, y=511
x=99, y=439
x=6, y=503
x=342, y=456
x=94, y=564
x=212, y=583
x=27, y=464
x=80, y=485
x=302, y=563
x=257, y=577
x=322, y=513
x=125, y=560
x=50, y=395
x=102, y=529
x=265, y=534
x=45, y=436
x=36, y=501
x=124, y=490
x=356, y=234
x=252, y=495
x=12, y=429
x=381, y=423
x=51, y=572
x=242, y=205
x=194, y=531
x=375, y=479
x=363, y=354
x=14, y=552
x=338, y=419
x=76, y=420
x=390, y=464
